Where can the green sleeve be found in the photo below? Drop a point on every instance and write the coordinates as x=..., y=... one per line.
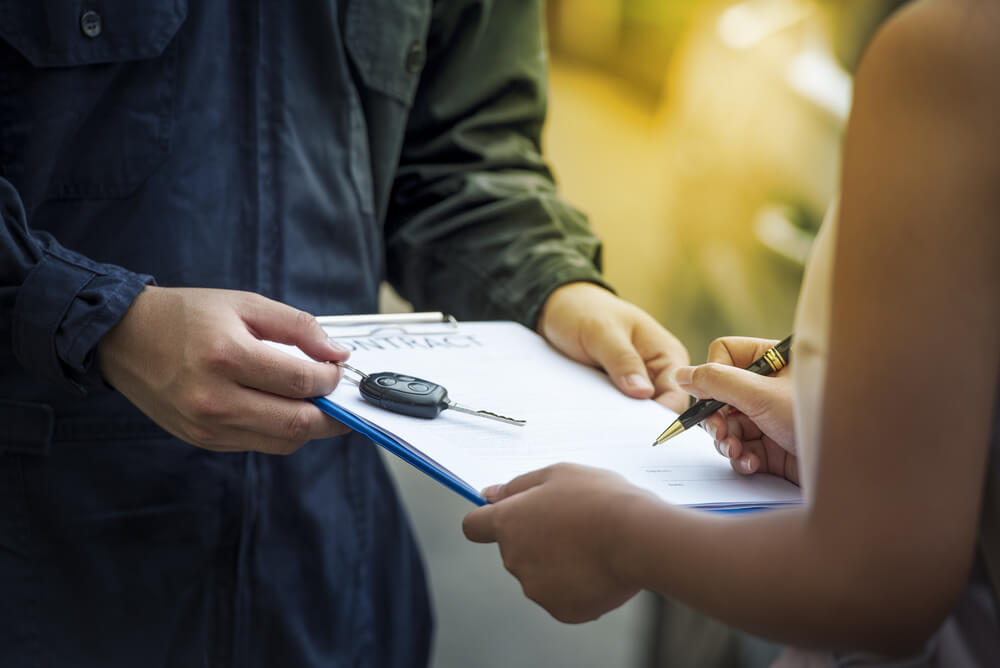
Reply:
x=475, y=227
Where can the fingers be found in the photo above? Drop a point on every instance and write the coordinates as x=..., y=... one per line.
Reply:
x=612, y=349
x=730, y=448
x=676, y=400
x=256, y=365
x=593, y=326
x=764, y=456
x=211, y=382
x=748, y=463
x=478, y=526
x=743, y=455
x=737, y=438
x=519, y=484
x=293, y=420
x=279, y=322
x=740, y=351
x=715, y=424
x=245, y=419
x=243, y=440
x=728, y=422
x=741, y=389
x=662, y=353
x=262, y=367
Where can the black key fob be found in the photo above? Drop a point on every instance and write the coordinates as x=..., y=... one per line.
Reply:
x=404, y=394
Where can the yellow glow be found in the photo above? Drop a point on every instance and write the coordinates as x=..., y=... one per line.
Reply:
x=702, y=139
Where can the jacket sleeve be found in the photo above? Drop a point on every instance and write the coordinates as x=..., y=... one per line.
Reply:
x=56, y=304
x=474, y=224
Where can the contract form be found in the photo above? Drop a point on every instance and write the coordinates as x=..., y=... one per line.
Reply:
x=573, y=413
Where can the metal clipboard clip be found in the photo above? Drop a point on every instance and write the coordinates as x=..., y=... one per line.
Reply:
x=373, y=324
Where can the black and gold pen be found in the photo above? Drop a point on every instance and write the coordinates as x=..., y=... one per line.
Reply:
x=770, y=362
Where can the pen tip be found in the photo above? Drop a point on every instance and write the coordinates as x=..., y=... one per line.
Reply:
x=669, y=432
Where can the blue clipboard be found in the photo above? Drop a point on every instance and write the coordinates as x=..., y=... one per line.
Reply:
x=428, y=468
x=412, y=458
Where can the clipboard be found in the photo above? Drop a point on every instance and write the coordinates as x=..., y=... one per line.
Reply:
x=387, y=441
x=427, y=322
x=514, y=371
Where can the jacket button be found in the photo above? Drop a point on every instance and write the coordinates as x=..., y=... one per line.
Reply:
x=415, y=58
x=90, y=23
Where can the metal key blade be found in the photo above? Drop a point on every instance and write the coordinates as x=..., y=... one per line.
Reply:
x=486, y=414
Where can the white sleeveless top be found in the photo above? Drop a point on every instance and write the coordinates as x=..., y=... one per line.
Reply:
x=810, y=349
x=970, y=636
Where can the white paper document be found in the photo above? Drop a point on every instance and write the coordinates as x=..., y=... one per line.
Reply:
x=573, y=413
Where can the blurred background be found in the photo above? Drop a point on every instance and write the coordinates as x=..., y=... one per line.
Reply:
x=702, y=140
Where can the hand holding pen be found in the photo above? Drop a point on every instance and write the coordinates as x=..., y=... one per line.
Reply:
x=756, y=430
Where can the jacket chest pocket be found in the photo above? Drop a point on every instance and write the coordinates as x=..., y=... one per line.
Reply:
x=387, y=40
x=86, y=94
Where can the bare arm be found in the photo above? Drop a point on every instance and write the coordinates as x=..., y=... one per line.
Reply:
x=883, y=551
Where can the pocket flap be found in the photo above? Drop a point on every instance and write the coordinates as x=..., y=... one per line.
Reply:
x=386, y=40
x=66, y=33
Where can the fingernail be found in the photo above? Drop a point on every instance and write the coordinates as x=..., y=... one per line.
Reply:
x=746, y=465
x=724, y=448
x=710, y=428
x=491, y=492
x=637, y=381
x=683, y=374
x=337, y=346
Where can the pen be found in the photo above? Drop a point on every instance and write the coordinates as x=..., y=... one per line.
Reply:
x=770, y=362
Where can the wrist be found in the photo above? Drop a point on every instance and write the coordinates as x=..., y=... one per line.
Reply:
x=630, y=523
x=110, y=347
x=567, y=298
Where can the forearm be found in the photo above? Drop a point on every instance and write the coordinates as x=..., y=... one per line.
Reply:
x=882, y=551
x=57, y=304
x=780, y=574
x=475, y=226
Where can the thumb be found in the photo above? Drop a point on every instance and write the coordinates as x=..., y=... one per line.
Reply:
x=279, y=322
x=523, y=482
x=613, y=350
x=478, y=525
x=743, y=390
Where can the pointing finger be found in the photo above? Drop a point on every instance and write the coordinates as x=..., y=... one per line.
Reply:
x=279, y=322
x=265, y=368
x=739, y=388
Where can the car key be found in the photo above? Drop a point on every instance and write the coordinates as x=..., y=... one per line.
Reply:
x=409, y=395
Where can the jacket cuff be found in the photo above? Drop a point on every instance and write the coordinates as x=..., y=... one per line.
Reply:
x=539, y=293
x=63, y=308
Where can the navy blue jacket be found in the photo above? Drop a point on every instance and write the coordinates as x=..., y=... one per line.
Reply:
x=302, y=150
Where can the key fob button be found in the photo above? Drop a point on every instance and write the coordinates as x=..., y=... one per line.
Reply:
x=422, y=388
x=385, y=381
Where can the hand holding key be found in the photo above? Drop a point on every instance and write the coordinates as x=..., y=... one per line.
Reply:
x=408, y=395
